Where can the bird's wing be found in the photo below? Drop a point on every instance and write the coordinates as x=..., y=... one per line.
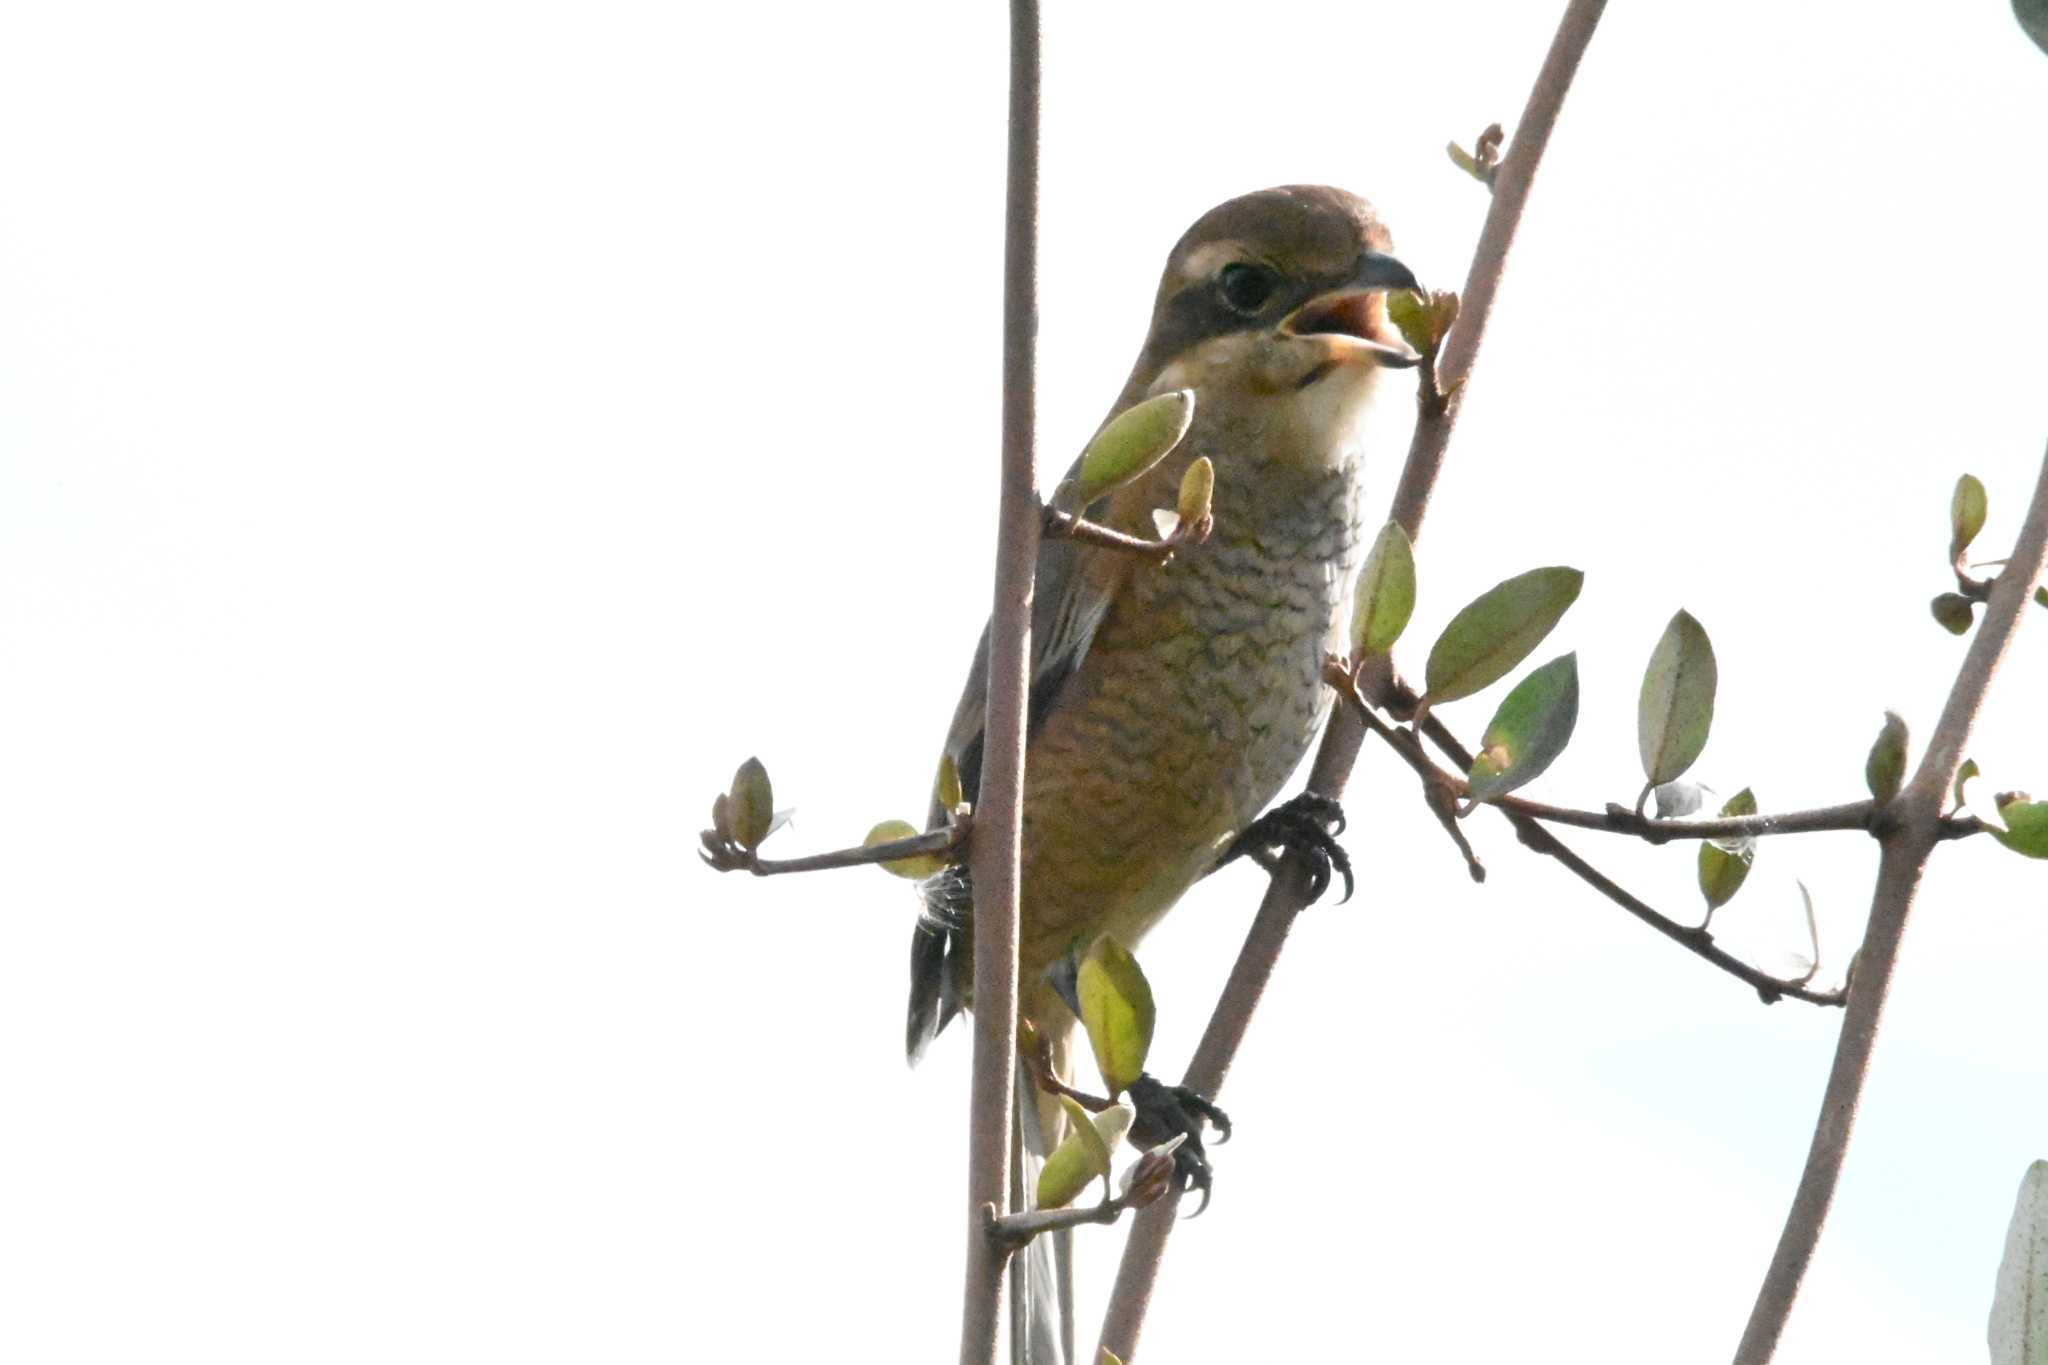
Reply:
x=1074, y=588
x=1071, y=595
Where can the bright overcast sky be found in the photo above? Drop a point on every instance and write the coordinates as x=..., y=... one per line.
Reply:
x=439, y=442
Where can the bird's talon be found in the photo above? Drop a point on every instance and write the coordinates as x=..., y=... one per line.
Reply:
x=1167, y=1111
x=1307, y=825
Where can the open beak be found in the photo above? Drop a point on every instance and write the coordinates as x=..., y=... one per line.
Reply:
x=1352, y=319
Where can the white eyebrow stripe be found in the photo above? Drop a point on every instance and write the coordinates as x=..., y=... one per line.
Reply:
x=1206, y=259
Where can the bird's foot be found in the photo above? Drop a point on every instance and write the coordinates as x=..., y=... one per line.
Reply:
x=1169, y=1111
x=1307, y=825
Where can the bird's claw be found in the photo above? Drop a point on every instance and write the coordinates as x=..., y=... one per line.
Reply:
x=1307, y=825
x=1169, y=1111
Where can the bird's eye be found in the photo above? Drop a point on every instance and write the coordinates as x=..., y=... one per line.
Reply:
x=1246, y=288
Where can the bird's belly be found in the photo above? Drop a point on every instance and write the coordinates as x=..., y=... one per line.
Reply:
x=1186, y=721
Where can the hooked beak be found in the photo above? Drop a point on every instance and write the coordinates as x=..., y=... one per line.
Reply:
x=1352, y=319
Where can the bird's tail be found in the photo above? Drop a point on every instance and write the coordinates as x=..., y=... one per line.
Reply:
x=1042, y=1273
x=941, y=956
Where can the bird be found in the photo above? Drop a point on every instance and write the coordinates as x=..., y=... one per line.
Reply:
x=1170, y=703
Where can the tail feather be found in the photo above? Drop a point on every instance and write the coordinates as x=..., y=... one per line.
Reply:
x=1042, y=1274
x=939, y=954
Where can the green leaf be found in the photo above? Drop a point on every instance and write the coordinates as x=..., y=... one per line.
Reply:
x=1952, y=610
x=750, y=805
x=1530, y=729
x=2018, y=1329
x=1725, y=862
x=1497, y=630
x=1676, y=708
x=1132, y=442
x=2041, y=596
x=1410, y=313
x=1083, y=1154
x=1972, y=796
x=1113, y=1123
x=1116, y=1009
x=1197, y=490
x=1386, y=592
x=1443, y=307
x=951, y=797
x=2026, y=831
x=1964, y=773
x=1967, y=507
x=1080, y=1158
x=1884, y=772
x=917, y=867
x=1081, y=1124
x=1424, y=319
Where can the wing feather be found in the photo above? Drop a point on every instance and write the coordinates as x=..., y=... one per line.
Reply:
x=1073, y=590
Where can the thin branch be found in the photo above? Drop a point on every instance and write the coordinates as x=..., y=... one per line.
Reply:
x=726, y=856
x=1440, y=790
x=1072, y=527
x=1616, y=819
x=1138, y=1272
x=1693, y=938
x=1850, y=815
x=999, y=805
x=1915, y=827
x=1150, y=1177
x=1015, y=1229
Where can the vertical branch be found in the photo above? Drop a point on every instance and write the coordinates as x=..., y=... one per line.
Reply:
x=998, y=818
x=1913, y=822
x=1138, y=1272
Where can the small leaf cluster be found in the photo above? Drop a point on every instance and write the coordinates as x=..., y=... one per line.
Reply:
x=1483, y=162
x=2014, y=819
x=1968, y=507
x=1480, y=646
x=742, y=817
x=1494, y=633
x=1423, y=319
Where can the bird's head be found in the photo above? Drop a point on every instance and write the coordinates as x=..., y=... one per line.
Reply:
x=1276, y=295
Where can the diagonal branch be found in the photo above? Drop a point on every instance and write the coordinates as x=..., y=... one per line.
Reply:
x=1138, y=1272
x=1915, y=828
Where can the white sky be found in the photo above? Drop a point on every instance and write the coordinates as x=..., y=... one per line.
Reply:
x=439, y=442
